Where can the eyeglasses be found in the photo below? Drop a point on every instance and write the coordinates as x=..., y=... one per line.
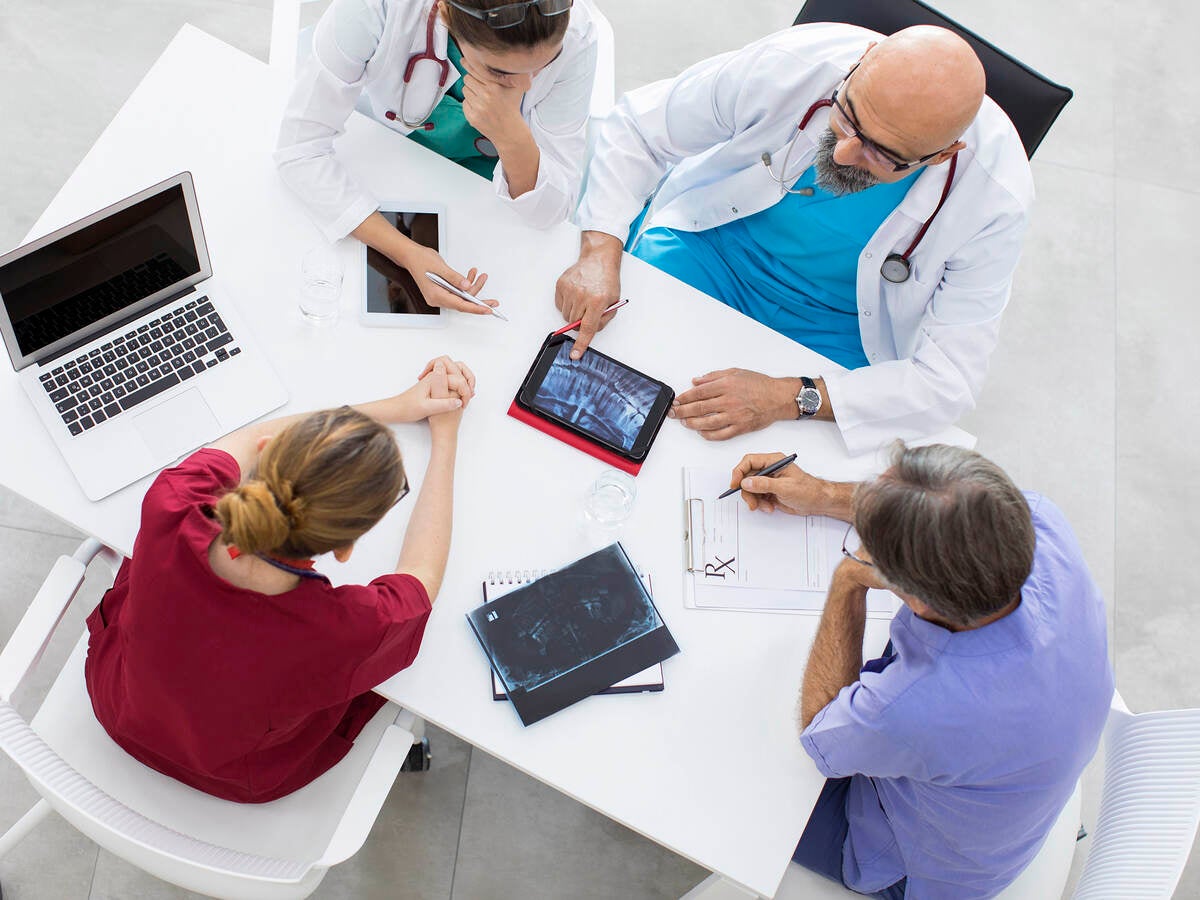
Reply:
x=849, y=554
x=403, y=493
x=513, y=13
x=842, y=121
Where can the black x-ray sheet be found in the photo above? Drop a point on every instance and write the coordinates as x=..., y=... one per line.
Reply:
x=572, y=633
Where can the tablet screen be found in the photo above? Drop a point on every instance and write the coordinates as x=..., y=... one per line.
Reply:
x=390, y=288
x=597, y=395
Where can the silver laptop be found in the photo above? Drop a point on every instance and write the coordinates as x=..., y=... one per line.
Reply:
x=129, y=349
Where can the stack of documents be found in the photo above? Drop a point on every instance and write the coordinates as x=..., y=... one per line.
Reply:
x=759, y=561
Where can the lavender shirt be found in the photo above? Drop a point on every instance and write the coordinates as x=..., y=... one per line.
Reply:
x=964, y=747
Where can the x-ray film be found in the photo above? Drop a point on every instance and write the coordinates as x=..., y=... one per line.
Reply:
x=572, y=633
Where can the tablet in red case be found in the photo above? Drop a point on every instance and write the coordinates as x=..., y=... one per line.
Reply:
x=569, y=437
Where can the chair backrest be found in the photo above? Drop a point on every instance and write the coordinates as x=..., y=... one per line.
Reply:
x=1031, y=101
x=1150, y=808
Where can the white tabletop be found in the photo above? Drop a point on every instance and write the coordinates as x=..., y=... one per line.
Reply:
x=711, y=767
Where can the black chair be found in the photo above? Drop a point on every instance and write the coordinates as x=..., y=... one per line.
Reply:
x=1031, y=101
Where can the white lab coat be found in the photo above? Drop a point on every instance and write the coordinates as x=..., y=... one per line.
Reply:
x=360, y=51
x=703, y=135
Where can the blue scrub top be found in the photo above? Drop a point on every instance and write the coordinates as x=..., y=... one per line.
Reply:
x=793, y=266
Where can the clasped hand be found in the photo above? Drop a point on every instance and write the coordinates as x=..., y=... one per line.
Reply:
x=442, y=392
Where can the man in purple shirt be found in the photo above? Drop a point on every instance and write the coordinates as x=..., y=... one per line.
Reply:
x=950, y=757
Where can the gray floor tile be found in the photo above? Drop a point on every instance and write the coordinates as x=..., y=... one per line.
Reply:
x=1034, y=32
x=661, y=39
x=1045, y=414
x=1157, y=90
x=1158, y=622
x=522, y=839
x=17, y=512
x=55, y=862
x=68, y=66
x=412, y=850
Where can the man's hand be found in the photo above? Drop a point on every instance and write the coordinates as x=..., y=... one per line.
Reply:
x=590, y=286
x=858, y=575
x=730, y=402
x=791, y=490
x=492, y=108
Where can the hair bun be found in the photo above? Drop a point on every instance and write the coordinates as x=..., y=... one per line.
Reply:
x=253, y=519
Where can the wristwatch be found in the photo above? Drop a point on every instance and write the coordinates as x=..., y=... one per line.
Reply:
x=808, y=401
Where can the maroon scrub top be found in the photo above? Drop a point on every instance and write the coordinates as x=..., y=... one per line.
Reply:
x=239, y=694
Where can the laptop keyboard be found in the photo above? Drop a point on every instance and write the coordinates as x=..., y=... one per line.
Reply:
x=138, y=365
x=95, y=303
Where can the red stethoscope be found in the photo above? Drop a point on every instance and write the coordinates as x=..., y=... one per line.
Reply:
x=482, y=144
x=896, y=267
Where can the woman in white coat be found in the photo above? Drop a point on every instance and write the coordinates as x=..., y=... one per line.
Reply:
x=502, y=88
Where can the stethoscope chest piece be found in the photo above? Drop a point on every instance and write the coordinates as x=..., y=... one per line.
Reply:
x=486, y=148
x=895, y=268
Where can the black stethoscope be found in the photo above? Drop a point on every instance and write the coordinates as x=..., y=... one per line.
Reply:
x=896, y=267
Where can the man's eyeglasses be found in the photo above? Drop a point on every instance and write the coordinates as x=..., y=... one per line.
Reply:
x=842, y=121
x=513, y=13
x=849, y=554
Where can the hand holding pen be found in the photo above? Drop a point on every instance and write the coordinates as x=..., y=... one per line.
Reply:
x=781, y=462
x=789, y=488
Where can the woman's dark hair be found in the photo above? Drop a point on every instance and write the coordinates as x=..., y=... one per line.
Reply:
x=534, y=31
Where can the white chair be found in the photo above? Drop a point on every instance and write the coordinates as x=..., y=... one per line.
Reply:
x=1149, y=814
x=270, y=851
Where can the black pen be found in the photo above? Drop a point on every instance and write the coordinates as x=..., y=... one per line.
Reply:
x=768, y=471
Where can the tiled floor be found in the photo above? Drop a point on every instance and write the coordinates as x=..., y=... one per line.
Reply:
x=1090, y=398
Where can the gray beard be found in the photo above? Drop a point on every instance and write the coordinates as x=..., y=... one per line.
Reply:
x=834, y=177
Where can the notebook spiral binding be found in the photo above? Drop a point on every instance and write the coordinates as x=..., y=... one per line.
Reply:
x=525, y=576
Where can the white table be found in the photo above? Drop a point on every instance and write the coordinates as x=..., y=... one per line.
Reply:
x=658, y=763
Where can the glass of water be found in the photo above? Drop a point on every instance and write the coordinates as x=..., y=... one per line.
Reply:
x=610, y=499
x=321, y=285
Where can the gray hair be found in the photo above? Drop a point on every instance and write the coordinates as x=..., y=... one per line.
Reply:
x=949, y=527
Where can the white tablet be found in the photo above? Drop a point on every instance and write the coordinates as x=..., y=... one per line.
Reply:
x=391, y=298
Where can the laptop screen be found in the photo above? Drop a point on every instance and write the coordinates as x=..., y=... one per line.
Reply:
x=63, y=289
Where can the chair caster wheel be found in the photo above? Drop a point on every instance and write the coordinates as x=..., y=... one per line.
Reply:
x=418, y=760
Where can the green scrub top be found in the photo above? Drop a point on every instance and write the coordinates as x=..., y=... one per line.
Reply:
x=452, y=136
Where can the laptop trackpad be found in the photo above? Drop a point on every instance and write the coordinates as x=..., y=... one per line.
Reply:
x=181, y=424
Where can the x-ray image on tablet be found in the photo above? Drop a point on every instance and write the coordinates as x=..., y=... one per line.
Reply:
x=597, y=396
x=392, y=297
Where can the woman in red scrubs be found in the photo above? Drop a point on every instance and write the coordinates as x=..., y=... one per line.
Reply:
x=220, y=656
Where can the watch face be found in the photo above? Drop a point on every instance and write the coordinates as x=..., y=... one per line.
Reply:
x=809, y=400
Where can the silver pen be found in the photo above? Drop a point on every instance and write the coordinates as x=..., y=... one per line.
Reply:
x=447, y=286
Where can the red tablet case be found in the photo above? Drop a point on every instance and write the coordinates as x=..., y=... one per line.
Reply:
x=569, y=437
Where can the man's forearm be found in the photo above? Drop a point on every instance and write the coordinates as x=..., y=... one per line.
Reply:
x=836, y=658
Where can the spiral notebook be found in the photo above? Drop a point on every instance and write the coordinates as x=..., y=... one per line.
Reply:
x=503, y=581
x=558, y=639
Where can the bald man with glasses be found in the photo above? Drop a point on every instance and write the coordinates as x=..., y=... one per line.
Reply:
x=857, y=193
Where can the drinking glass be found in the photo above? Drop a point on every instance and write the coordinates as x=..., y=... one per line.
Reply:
x=321, y=285
x=610, y=499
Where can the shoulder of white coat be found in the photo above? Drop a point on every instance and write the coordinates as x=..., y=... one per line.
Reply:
x=997, y=149
x=348, y=35
x=582, y=27
x=816, y=43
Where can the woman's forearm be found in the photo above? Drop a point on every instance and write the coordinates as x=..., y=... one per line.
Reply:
x=427, y=541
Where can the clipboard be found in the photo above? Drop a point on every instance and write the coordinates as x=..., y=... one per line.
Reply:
x=735, y=559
